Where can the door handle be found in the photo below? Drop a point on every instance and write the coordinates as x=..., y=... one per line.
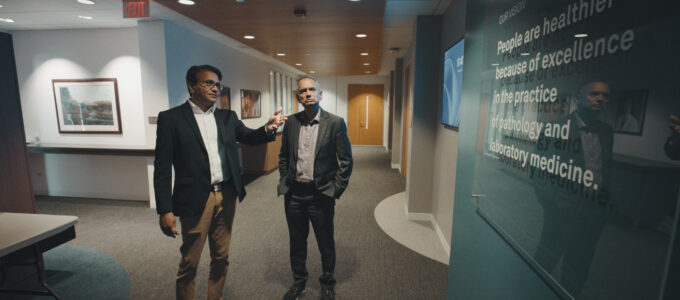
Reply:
x=476, y=197
x=361, y=124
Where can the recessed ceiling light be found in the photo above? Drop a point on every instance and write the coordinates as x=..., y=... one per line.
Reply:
x=186, y=2
x=298, y=64
x=361, y=35
x=0, y=5
x=312, y=72
x=88, y=2
x=354, y=0
x=366, y=64
x=281, y=54
x=6, y=20
x=524, y=54
x=85, y=17
x=307, y=54
x=364, y=53
x=367, y=72
x=248, y=37
x=580, y=35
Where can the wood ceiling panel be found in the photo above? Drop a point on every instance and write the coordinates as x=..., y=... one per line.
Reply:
x=327, y=33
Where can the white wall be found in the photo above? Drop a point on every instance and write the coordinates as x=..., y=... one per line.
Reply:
x=185, y=48
x=44, y=55
x=150, y=64
x=335, y=99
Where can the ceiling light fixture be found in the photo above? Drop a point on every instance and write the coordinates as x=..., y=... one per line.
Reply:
x=307, y=54
x=368, y=72
x=364, y=53
x=240, y=1
x=366, y=64
x=312, y=72
x=298, y=64
x=281, y=54
x=85, y=17
x=354, y=0
x=249, y=37
x=88, y=2
x=186, y=2
x=0, y=5
x=580, y=35
x=6, y=20
x=361, y=35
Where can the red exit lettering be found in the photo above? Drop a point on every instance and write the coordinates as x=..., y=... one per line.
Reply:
x=135, y=8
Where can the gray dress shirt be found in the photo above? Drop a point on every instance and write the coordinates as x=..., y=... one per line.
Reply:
x=309, y=132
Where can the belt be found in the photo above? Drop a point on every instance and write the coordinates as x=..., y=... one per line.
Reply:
x=218, y=186
x=303, y=188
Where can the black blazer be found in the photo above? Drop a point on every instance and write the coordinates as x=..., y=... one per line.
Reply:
x=333, y=159
x=179, y=144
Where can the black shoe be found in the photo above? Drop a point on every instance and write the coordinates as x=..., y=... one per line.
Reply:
x=294, y=293
x=327, y=293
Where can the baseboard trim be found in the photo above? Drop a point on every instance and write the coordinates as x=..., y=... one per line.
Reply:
x=430, y=218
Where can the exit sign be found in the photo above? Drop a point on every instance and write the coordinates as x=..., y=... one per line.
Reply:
x=135, y=9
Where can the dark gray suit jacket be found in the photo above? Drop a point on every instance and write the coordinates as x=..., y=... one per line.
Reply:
x=179, y=144
x=333, y=155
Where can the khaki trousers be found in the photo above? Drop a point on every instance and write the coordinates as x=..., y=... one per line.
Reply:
x=215, y=225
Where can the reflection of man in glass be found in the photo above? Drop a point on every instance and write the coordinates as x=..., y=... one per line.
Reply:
x=625, y=121
x=574, y=213
x=672, y=146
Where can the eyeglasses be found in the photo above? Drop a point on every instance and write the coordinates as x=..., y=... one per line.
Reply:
x=211, y=84
x=302, y=91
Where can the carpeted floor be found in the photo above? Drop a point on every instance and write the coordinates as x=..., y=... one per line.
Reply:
x=370, y=265
x=70, y=268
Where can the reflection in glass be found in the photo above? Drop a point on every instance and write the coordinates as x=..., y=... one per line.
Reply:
x=578, y=182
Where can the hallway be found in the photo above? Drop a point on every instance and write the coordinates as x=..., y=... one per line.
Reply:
x=370, y=264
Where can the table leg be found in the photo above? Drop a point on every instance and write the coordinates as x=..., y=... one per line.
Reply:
x=40, y=267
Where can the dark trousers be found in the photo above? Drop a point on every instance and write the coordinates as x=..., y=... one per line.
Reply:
x=320, y=210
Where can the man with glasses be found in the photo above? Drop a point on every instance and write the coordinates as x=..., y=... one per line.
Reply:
x=315, y=163
x=199, y=142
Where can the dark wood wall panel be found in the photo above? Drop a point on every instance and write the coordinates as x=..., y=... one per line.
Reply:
x=16, y=193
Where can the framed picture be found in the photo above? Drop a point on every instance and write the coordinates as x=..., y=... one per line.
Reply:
x=225, y=98
x=625, y=111
x=87, y=105
x=250, y=104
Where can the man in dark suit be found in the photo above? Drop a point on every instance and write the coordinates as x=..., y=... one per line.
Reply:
x=315, y=163
x=574, y=214
x=199, y=141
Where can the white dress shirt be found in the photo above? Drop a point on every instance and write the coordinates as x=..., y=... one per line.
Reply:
x=208, y=127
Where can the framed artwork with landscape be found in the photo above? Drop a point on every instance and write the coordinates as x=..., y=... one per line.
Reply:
x=87, y=105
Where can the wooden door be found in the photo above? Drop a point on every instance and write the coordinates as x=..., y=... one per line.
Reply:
x=365, y=114
x=406, y=124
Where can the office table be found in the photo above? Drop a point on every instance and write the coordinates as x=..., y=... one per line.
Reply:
x=21, y=234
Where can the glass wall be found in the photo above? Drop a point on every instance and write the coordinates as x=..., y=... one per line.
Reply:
x=571, y=169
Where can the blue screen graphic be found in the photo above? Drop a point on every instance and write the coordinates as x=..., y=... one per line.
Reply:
x=453, y=82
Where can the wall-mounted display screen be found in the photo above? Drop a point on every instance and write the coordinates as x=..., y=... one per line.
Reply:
x=453, y=82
